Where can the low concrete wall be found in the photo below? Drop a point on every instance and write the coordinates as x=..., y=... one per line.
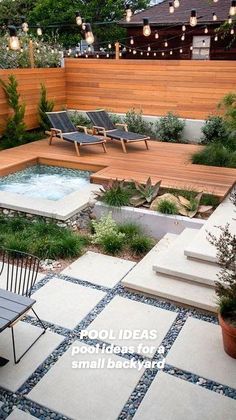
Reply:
x=192, y=130
x=153, y=223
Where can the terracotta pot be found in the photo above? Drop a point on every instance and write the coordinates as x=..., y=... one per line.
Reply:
x=229, y=337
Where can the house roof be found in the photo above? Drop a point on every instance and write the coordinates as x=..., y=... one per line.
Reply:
x=159, y=14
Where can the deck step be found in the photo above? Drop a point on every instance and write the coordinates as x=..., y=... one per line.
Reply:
x=200, y=248
x=142, y=278
x=174, y=263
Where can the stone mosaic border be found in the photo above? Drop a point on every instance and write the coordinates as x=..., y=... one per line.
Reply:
x=19, y=399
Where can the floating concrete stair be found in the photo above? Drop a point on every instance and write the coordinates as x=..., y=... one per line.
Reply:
x=173, y=262
x=201, y=248
x=142, y=278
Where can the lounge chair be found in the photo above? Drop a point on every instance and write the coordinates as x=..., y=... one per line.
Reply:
x=63, y=128
x=104, y=125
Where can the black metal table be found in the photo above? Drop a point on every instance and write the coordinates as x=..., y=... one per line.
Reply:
x=12, y=308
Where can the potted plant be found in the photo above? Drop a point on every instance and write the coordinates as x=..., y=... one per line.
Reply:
x=226, y=286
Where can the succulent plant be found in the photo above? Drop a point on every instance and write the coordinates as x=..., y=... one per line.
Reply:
x=145, y=194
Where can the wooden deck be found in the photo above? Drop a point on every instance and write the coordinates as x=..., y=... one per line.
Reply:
x=164, y=161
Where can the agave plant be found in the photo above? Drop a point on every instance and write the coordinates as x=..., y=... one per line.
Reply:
x=192, y=207
x=145, y=194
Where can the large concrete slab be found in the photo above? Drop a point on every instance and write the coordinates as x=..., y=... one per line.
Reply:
x=174, y=263
x=199, y=349
x=171, y=398
x=86, y=394
x=143, y=279
x=201, y=248
x=99, y=269
x=13, y=376
x=17, y=414
x=124, y=314
x=65, y=303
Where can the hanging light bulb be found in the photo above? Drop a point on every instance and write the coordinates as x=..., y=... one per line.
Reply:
x=25, y=27
x=132, y=40
x=78, y=19
x=149, y=48
x=148, y=54
x=216, y=38
x=183, y=37
x=146, y=27
x=129, y=13
x=181, y=50
x=89, y=34
x=191, y=48
x=232, y=10
x=203, y=42
x=193, y=18
x=154, y=54
x=176, y=4
x=83, y=24
x=141, y=53
x=166, y=43
x=206, y=30
x=89, y=48
x=156, y=35
x=215, y=1
x=214, y=16
x=108, y=55
x=171, y=52
x=109, y=46
x=134, y=52
x=39, y=30
x=183, y=28
x=163, y=53
x=230, y=20
x=14, y=43
x=232, y=31
x=171, y=7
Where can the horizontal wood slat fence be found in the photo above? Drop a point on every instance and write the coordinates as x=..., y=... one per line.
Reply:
x=190, y=88
x=29, y=87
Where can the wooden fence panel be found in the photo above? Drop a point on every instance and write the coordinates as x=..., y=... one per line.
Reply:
x=190, y=88
x=29, y=87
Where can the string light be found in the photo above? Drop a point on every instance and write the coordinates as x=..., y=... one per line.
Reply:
x=129, y=13
x=193, y=18
x=109, y=46
x=232, y=31
x=156, y=35
x=183, y=28
x=83, y=24
x=182, y=37
x=14, y=43
x=181, y=50
x=24, y=25
x=171, y=7
x=206, y=30
x=78, y=19
x=214, y=16
x=89, y=34
x=149, y=48
x=162, y=53
x=230, y=20
x=134, y=52
x=232, y=10
x=171, y=52
x=216, y=38
x=132, y=40
x=176, y=4
x=166, y=43
x=39, y=30
x=146, y=27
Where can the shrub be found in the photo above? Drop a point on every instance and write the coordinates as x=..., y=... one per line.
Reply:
x=104, y=227
x=116, y=193
x=215, y=155
x=15, y=129
x=44, y=106
x=141, y=244
x=80, y=119
x=228, y=104
x=130, y=230
x=210, y=200
x=170, y=128
x=112, y=244
x=167, y=207
x=138, y=124
x=214, y=130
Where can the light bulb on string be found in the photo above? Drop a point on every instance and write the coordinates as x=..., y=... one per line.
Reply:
x=134, y=52
x=162, y=53
x=206, y=30
x=171, y=7
x=171, y=52
x=141, y=53
x=132, y=40
x=183, y=28
x=181, y=50
x=83, y=24
x=25, y=27
x=109, y=46
x=129, y=13
x=191, y=48
x=14, y=43
x=182, y=37
x=232, y=10
x=146, y=27
x=89, y=34
x=154, y=54
x=193, y=18
x=156, y=35
x=176, y=4
x=149, y=48
x=78, y=19
x=214, y=17
x=230, y=20
x=203, y=42
x=232, y=31
x=166, y=43
x=216, y=38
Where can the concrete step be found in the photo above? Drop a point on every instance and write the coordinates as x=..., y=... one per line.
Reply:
x=174, y=263
x=143, y=279
x=200, y=248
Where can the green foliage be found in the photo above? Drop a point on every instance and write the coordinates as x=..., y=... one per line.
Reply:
x=15, y=127
x=141, y=244
x=130, y=230
x=44, y=106
x=214, y=130
x=112, y=244
x=170, y=128
x=104, y=227
x=210, y=200
x=80, y=119
x=215, y=154
x=167, y=207
x=116, y=193
x=228, y=104
x=45, y=240
x=145, y=193
x=137, y=124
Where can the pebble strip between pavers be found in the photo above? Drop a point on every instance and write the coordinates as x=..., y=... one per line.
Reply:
x=19, y=399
